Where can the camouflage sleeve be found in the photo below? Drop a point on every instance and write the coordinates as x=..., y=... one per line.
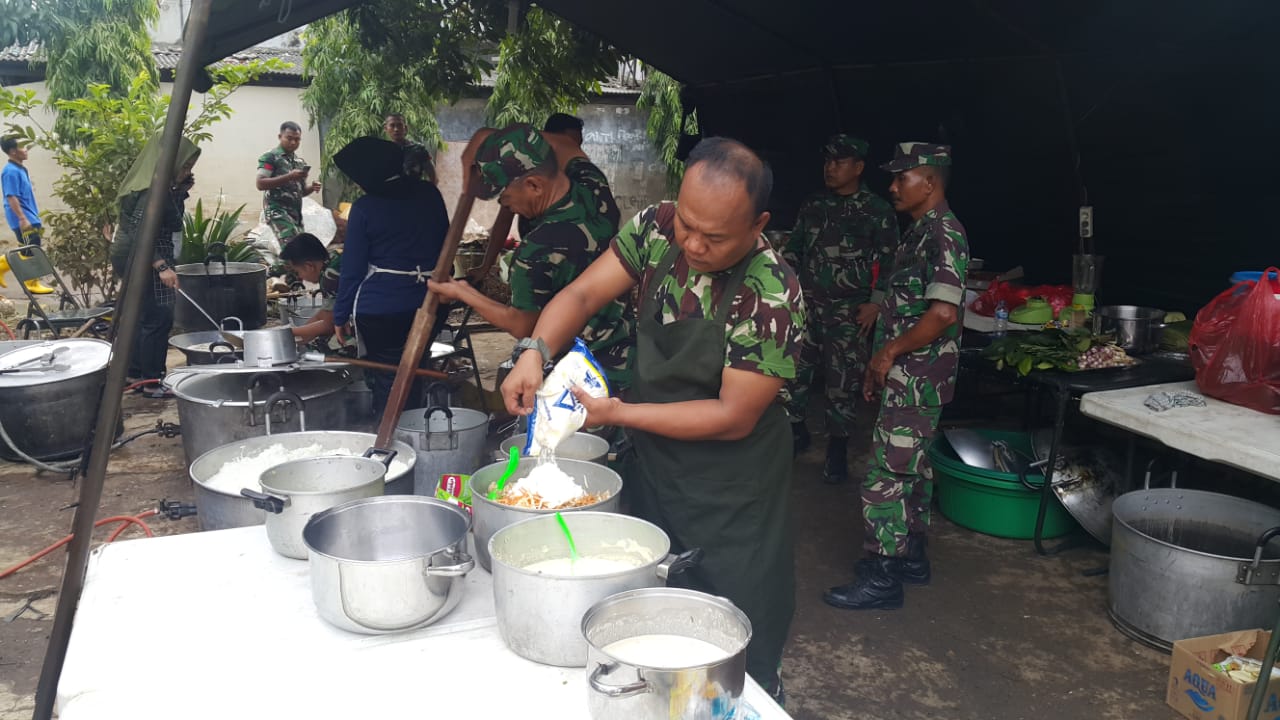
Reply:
x=948, y=263
x=768, y=320
x=589, y=176
x=631, y=246
x=545, y=263
x=793, y=252
x=267, y=165
x=886, y=247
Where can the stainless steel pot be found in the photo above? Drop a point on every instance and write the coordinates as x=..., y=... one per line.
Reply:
x=300, y=311
x=222, y=288
x=269, y=347
x=216, y=408
x=49, y=396
x=447, y=440
x=491, y=516
x=296, y=490
x=1137, y=329
x=579, y=446
x=1182, y=565
x=218, y=509
x=539, y=613
x=618, y=690
x=207, y=347
x=387, y=564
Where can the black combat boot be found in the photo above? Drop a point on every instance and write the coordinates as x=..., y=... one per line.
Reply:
x=913, y=568
x=876, y=588
x=836, y=471
x=799, y=437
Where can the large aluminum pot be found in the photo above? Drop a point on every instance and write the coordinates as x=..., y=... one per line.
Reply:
x=578, y=446
x=49, y=396
x=491, y=515
x=216, y=408
x=223, y=289
x=1137, y=329
x=207, y=347
x=621, y=690
x=447, y=440
x=1180, y=564
x=387, y=564
x=296, y=490
x=540, y=609
x=220, y=507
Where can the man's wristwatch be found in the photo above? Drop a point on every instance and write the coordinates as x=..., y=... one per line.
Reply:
x=532, y=344
x=161, y=267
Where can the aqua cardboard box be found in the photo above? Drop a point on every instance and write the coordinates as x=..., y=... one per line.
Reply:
x=1200, y=692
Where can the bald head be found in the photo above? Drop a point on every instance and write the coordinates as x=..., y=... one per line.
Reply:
x=721, y=160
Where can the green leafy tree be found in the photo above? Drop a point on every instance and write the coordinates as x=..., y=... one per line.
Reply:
x=110, y=132
x=353, y=89
x=660, y=97
x=548, y=66
x=85, y=43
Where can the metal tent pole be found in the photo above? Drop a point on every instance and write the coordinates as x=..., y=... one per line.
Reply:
x=136, y=286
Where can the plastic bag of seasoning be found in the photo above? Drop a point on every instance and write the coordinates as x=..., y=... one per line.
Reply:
x=557, y=414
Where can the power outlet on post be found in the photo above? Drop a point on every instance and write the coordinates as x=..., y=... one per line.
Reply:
x=1086, y=221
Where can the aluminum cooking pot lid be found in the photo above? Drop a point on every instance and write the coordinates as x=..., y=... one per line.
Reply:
x=53, y=361
x=232, y=388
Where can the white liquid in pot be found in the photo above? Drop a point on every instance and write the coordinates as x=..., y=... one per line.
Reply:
x=665, y=651
x=582, y=567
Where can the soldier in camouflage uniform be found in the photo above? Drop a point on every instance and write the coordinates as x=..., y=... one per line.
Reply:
x=841, y=237
x=719, y=330
x=417, y=158
x=282, y=178
x=913, y=369
x=307, y=258
x=569, y=228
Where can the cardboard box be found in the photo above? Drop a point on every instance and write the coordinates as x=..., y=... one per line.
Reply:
x=1199, y=692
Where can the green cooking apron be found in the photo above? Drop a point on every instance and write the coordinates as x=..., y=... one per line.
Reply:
x=730, y=498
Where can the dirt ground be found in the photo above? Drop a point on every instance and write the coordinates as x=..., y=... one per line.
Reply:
x=1000, y=634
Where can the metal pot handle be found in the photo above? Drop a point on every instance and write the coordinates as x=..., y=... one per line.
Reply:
x=381, y=454
x=239, y=323
x=1151, y=465
x=676, y=564
x=284, y=396
x=222, y=350
x=263, y=501
x=615, y=691
x=466, y=565
x=215, y=251
x=254, y=379
x=1251, y=573
x=437, y=394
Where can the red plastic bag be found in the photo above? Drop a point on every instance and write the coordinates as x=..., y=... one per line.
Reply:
x=1015, y=296
x=1235, y=345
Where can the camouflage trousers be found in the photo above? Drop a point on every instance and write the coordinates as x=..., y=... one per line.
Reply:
x=899, y=484
x=284, y=225
x=833, y=347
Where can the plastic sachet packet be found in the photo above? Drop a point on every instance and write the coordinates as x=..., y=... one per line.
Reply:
x=557, y=414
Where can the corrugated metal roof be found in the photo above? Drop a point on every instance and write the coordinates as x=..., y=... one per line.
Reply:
x=168, y=54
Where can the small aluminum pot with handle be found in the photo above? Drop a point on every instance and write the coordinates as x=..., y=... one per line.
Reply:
x=1136, y=329
x=269, y=347
x=622, y=690
x=540, y=610
x=296, y=490
x=387, y=564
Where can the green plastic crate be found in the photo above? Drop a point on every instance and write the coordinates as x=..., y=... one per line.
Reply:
x=990, y=501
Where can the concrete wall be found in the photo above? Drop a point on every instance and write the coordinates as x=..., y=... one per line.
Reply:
x=228, y=161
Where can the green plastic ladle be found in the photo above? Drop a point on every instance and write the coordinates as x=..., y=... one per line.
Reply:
x=573, y=548
x=506, y=474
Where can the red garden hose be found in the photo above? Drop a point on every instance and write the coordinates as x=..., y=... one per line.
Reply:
x=128, y=521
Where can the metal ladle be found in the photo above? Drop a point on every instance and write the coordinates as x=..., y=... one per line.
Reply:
x=234, y=340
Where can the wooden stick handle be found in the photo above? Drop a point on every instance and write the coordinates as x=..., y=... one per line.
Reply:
x=357, y=362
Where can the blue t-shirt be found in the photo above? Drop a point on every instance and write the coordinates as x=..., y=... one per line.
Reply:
x=17, y=183
x=403, y=233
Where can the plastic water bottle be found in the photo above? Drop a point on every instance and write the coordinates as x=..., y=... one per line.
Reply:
x=1002, y=321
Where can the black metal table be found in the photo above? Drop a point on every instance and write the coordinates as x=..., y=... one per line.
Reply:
x=1068, y=385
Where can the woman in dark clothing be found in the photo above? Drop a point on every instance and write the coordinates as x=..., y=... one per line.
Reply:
x=394, y=237
x=152, y=343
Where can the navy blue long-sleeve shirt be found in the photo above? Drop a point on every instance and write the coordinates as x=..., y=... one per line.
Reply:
x=400, y=233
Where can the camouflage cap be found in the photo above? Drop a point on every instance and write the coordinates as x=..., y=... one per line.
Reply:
x=843, y=146
x=509, y=154
x=916, y=154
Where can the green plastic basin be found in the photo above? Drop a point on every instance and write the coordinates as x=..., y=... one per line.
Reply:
x=990, y=501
